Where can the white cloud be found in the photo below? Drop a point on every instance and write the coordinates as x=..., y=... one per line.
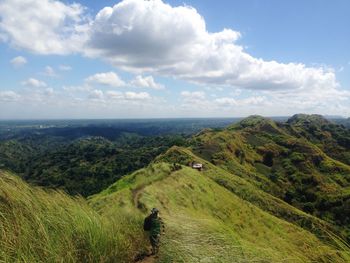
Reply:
x=137, y=95
x=65, y=68
x=226, y=101
x=195, y=95
x=49, y=71
x=42, y=26
x=96, y=94
x=32, y=82
x=18, y=62
x=151, y=37
x=77, y=88
x=9, y=96
x=175, y=42
x=114, y=95
x=108, y=78
x=120, y=96
x=146, y=82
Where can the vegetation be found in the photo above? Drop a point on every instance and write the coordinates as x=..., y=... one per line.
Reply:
x=288, y=161
x=268, y=192
x=42, y=226
x=203, y=221
x=82, y=166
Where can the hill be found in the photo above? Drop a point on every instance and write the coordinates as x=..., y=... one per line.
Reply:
x=268, y=192
x=291, y=161
x=207, y=221
x=204, y=222
x=86, y=156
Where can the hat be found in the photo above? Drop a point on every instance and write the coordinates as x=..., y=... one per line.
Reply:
x=154, y=211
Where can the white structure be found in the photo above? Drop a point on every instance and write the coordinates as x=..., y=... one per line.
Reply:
x=197, y=166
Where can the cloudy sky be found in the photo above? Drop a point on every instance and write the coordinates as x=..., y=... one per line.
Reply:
x=195, y=58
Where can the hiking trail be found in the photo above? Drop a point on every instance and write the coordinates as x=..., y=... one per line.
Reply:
x=148, y=259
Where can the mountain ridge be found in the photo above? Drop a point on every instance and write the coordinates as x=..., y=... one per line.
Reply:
x=264, y=194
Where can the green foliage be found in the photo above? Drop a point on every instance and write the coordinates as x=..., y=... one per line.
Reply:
x=267, y=190
x=300, y=161
x=83, y=166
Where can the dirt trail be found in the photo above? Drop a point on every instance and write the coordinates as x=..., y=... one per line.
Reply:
x=148, y=259
x=137, y=192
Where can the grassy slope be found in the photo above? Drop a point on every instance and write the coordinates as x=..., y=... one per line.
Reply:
x=205, y=222
x=41, y=226
x=299, y=172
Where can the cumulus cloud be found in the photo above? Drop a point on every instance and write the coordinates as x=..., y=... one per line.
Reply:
x=195, y=95
x=226, y=101
x=18, y=62
x=8, y=96
x=175, y=42
x=137, y=95
x=32, y=82
x=107, y=78
x=43, y=26
x=82, y=88
x=152, y=37
x=114, y=95
x=250, y=101
x=121, y=96
x=146, y=82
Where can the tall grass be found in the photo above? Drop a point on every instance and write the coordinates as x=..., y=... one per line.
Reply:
x=42, y=226
x=205, y=222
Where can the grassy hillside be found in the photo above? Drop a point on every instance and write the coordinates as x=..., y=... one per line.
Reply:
x=41, y=226
x=269, y=192
x=287, y=161
x=205, y=222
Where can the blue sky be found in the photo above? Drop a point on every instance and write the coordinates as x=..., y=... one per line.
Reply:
x=141, y=59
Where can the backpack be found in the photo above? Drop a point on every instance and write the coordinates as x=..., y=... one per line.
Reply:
x=147, y=224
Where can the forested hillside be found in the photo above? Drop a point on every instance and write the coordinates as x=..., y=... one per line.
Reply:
x=303, y=161
x=268, y=192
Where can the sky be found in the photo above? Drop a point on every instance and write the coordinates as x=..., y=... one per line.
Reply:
x=167, y=59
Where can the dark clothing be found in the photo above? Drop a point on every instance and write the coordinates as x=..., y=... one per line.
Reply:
x=156, y=227
x=154, y=242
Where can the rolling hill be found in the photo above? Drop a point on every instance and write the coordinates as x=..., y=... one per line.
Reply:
x=268, y=192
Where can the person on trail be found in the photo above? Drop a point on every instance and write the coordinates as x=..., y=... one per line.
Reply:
x=154, y=225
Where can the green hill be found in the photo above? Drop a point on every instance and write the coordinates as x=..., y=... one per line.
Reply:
x=208, y=222
x=287, y=161
x=205, y=221
x=267, y=193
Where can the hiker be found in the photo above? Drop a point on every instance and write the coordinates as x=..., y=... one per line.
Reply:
x=154, y=225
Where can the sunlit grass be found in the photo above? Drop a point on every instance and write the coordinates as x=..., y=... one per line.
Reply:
x=205, y=221
x=41, y=226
